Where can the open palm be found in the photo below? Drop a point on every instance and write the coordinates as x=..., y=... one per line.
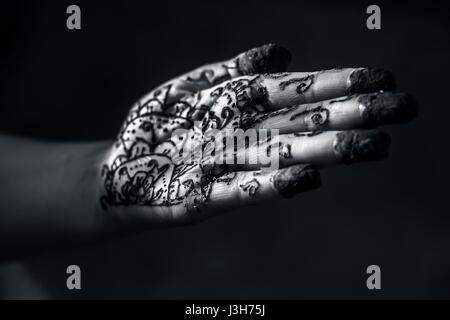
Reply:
x=146, y=176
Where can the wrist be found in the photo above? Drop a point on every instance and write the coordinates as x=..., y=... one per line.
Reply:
x=102, y=221
x=109, y=219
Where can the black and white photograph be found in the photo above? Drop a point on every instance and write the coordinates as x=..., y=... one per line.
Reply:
x=224, y=154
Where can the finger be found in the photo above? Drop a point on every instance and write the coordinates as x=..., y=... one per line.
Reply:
x=238, y=189
x=351, y=112
x=280, y=90
x=289, y=89
x=317, y=148
x=264, y=59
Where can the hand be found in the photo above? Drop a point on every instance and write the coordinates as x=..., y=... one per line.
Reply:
x=146, y=177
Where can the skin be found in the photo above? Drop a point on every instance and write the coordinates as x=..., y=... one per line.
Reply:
x=80, y=192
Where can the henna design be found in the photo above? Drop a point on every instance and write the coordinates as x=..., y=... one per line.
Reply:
x=251, y=187
x=139, y=181
x=303, y=83
x=154, y=104
x=318, y=115
x=208, y=76
x=240, y=98
x=309, y=134
x=346, y=98
x=145, y=131
x=227, y=178
x=276, y=76
x=250, y=120
x=285, y=150
x=142, y=171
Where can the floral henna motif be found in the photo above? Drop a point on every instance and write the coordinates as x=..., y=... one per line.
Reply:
x=142, y=167
x=251, y=187
x=142, y=171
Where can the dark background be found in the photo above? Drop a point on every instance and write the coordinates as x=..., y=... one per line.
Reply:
x=78, y=85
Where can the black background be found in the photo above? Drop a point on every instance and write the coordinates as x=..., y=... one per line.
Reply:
x=78, y=85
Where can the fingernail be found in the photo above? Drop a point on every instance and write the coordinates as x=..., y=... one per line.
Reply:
x=296, y=179
x=265, y=59
x=387, y=108
x=366, y=80
x=361, y=145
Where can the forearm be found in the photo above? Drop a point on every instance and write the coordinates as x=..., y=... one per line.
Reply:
x=50, y=194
